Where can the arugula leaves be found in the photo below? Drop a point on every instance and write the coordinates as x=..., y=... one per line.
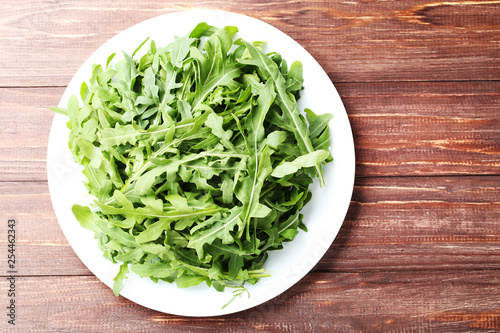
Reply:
x=198, y=158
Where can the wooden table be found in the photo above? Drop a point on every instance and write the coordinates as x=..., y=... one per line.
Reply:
x=420, y=247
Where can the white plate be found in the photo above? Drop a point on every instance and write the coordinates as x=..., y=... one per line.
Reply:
x=323, y=215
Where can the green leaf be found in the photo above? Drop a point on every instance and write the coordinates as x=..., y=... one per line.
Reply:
x=62, y=111
x=146, y=181
x=118, y=280
x=184, y=109
x=152, y=232
x=97, y=160
x=294, y=77
x=121, y=135
x=215, y=123
x=300, y=162
x=248, y=189
x=285, y=102
x=110, y=58
x=224, y=77
x=118, y=234
x=186, y=281
x=317, y=123
x=147, y=269
x=203, y=30
x=275, y=139
x=221, y=229
x=139, y=47
x=180, y=49
x=85, y=217
x=235, y=264
x=148, y=212
x=150, y=88
x=256, y=117
x=131, y=256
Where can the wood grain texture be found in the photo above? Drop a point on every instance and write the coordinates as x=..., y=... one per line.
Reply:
x=44, y=42
x=399, y=128
x=393, y=224
x=322, y=302
x=41, y=248
x=26, y=120
x=420, y=246
x=424, y=128
x=419, y=223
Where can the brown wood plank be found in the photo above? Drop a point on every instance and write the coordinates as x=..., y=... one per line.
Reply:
x=399, y=128
x=321, y=302
x=419, y=223
x=424, y=129
x=394, y=224
x=26, y=120
x=44, y=42
x=41, y=248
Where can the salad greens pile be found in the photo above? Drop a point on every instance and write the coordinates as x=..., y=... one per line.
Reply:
x=198, y=158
